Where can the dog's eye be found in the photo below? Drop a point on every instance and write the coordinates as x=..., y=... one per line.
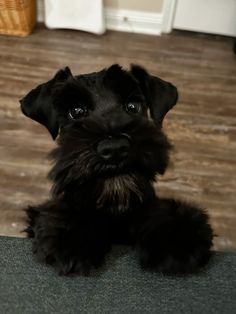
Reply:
x=77, y=112
x=133, y=107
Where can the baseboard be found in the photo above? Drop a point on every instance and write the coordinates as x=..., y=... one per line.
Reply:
x=124, y=20
x=134, y=21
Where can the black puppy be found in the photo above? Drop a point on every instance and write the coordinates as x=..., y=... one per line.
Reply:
x=109, y=153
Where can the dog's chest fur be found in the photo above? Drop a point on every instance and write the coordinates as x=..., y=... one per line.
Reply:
x=118, y=190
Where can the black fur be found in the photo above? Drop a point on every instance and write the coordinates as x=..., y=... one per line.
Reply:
x=97, y=202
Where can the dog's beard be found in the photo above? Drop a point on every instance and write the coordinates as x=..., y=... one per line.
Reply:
x=77, y=160
x=117, y=192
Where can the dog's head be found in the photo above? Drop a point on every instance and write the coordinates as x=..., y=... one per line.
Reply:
x=103, y=122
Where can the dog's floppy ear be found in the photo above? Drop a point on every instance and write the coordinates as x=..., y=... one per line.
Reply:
x=38, y=103
x=160, y=95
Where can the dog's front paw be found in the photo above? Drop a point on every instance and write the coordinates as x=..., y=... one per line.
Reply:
x=175, y=239
x=175, y=263
x=63, y=258
x=70, y=255
x=67, y=261
x=69, y=264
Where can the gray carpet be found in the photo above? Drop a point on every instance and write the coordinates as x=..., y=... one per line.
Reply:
x=28, y=287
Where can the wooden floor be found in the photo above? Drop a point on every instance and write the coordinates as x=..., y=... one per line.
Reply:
x=202, y=126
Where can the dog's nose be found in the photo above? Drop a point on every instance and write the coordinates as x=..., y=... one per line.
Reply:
x=114, y=148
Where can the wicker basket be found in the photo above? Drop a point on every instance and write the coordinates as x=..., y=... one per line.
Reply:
x=17, y=17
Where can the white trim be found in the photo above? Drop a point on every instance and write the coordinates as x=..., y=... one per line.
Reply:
x=40, y=11
x=169, y=8
x=134, y=21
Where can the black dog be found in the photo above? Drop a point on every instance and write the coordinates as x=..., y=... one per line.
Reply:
x=109, y=153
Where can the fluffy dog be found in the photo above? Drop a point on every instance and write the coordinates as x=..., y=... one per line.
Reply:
x=108, y=155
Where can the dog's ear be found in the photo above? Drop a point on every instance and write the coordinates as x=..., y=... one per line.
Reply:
x=160, y=95
x=38, y=103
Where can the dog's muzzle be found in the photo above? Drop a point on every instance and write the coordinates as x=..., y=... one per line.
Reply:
x=114, y=148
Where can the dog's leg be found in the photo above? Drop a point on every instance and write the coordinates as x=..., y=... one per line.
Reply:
x=173, y=237
x=70, y=241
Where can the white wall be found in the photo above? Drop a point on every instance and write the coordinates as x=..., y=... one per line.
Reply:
x=153, y=6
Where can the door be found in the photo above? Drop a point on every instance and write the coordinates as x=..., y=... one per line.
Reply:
x=207, y=16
